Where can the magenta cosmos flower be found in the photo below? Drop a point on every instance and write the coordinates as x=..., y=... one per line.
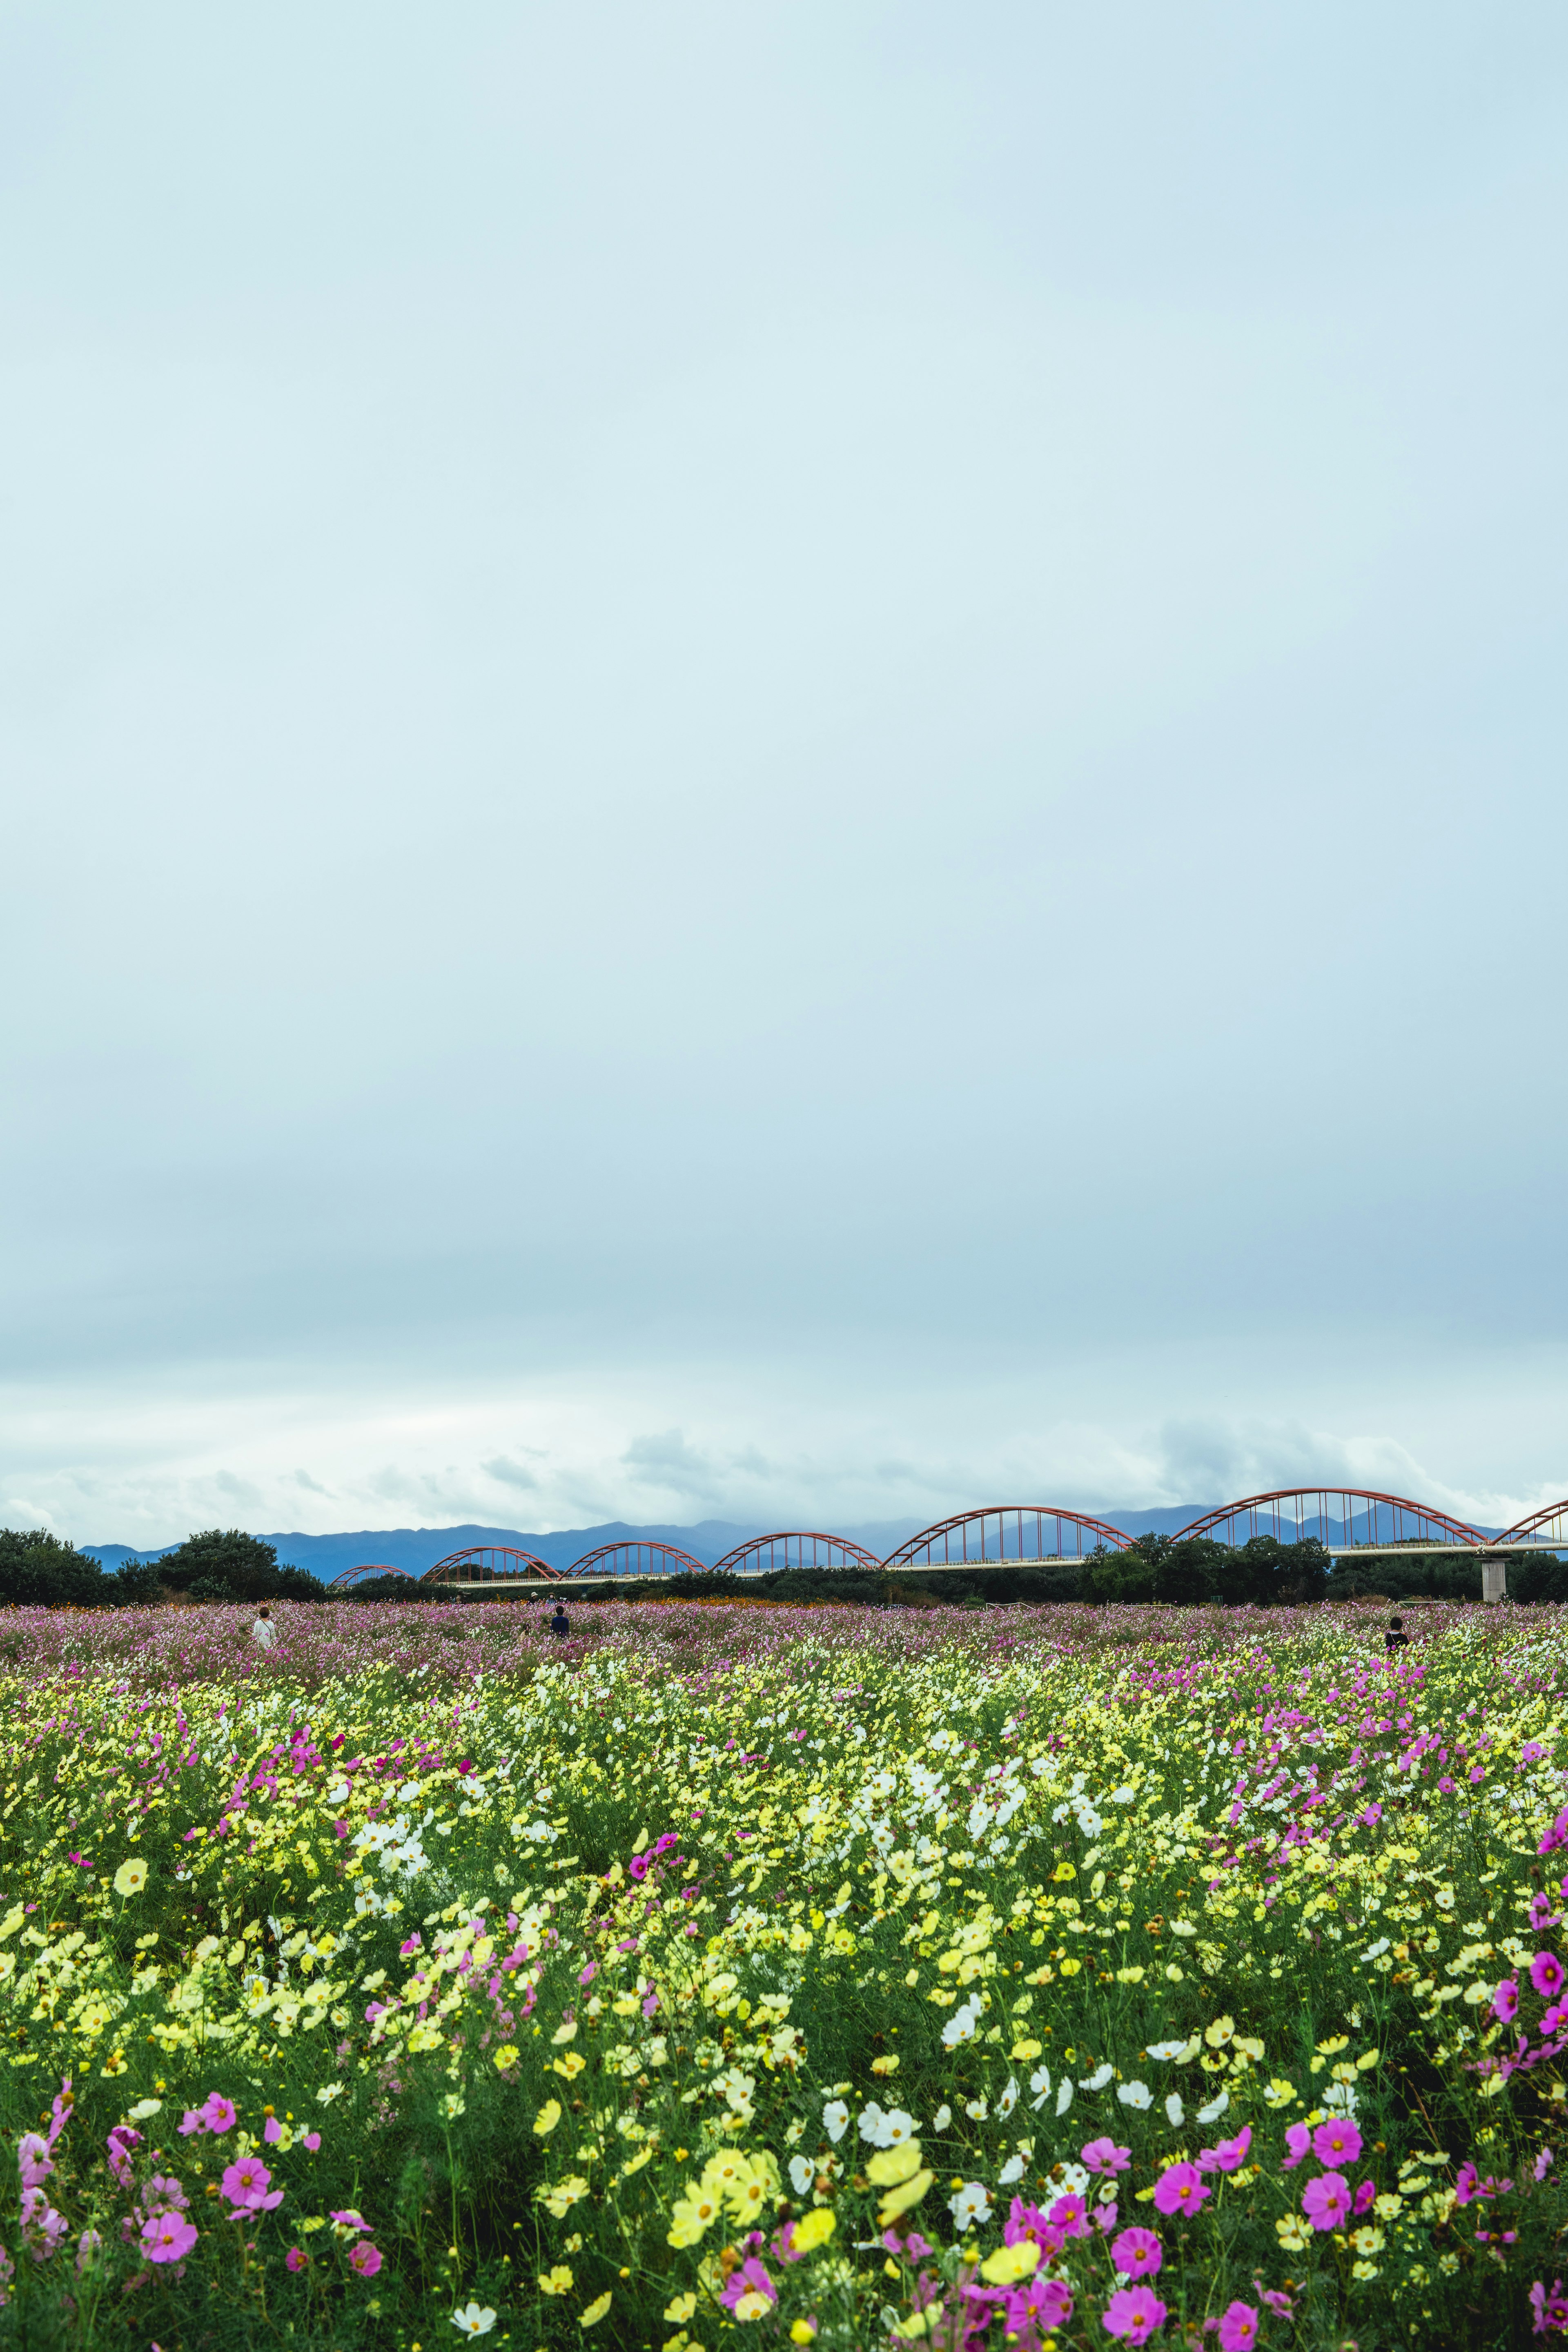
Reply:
x=1505, y=2000
x=296, y=2258
x=1239, y=2328
x=1179, y=2189
x=751, y=2286
x=1229, y=2156
x=1044, y=2304
x=1104, y=2155
x=1336, y=2143
x=364, y=2258
x=1326, y=2201
x=1133, y=2313
x=1137, y=2254
x=1546, y=1975
x=246, y=2185
x=1297, y=2146
x=167, y=2237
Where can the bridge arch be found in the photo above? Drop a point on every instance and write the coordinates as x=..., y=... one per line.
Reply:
x=790, y=1549
x=1034, y=1531
x=632, y=1558
x=487, y=1564
x=1547, y=1528
x=350, y=1576
x=1392, y=1521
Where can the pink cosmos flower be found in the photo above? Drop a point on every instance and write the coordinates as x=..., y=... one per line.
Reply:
x=272, y=2131
x=1336, y=2143
x=1105, y=2217
x=296, y=2258
x=1366, y=2195
x=750, y=2279
x=1104, y=2155
x=1138, y=2253
x=1505, y=2000
x=246, y=2185
x=1326, y=2201
x=1298, y=2145
x=1279, y=2302
x=1467, y=2180
x=167, y=2238
x=1024, y=2221
x=351, y=2219
x=1041, y=2304
x=1546, y=1975
x=1551, y=2310
x=415, y=1943
x=1239, y=2328
x=1229, y=2156
x=364, y=2258
x=1179, y=2189
x=312, y=2140
x=1133, y=2313
x=1069, y=2214
x=1542, y=2165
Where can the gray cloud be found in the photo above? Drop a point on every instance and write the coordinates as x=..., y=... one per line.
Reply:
x=879, y=821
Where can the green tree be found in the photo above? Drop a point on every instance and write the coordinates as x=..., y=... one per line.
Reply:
x=37, y=1568
x=227, y=1564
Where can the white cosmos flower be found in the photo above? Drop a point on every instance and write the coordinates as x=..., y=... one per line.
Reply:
x=1164, y=2050
x=1008, y=2098
x=942, y=2117
x=802, y=2174
x=886, y=2130
x=1099, y=2079
x=1064, y=2094
x=1135, y=2095
x=961, y=2026
x=1074, y=2181
x=1176, y=2110
x=474, y=2319
x=1214, y=2109
x=975, y=2109
x=970, y=2205
x=836, y=2119
x=1012, y=2170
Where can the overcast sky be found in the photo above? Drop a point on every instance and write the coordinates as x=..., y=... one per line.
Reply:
x=802, y=761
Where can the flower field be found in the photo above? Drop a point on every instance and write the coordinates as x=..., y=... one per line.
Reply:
x=942, y=1979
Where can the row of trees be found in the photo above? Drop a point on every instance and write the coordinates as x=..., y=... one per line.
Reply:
x=37, y=1569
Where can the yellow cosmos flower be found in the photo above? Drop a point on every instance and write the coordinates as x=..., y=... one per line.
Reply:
x=131, y=1877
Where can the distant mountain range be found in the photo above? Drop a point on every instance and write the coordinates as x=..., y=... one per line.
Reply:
x=417, y=1548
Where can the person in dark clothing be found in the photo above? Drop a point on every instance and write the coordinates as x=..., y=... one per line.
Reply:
x=1396, y=1638
x=560, y=1622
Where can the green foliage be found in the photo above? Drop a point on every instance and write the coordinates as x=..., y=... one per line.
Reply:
x=227, y=1564
x=38, y=1569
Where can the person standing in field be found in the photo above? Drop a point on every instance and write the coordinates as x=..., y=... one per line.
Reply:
x=264, y=1633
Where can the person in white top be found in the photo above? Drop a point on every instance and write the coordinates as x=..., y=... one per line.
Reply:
x=264, y=1633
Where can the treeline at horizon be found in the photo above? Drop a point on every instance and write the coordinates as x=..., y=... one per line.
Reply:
x=218, y=1565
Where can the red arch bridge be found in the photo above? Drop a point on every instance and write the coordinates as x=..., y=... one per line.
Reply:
x=1353, y=1522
